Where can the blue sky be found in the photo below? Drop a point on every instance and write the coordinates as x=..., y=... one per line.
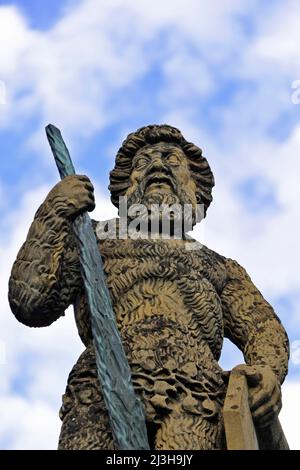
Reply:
x=99, y=69
x=40, y=15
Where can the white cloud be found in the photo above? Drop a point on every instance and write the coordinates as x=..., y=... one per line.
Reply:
x=15, y=32
x=279, y=39
x=27, y=425
x=290, y=414
x=93, y=52
x=187, y=78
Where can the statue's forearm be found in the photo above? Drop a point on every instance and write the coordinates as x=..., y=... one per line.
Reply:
x=45, y=276
x=268, y=345
x=263, y=341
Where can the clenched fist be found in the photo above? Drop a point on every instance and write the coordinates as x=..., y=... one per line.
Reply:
x=264, y=393
x=72, y=196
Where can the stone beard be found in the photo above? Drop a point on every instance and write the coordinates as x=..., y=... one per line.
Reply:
x=173, y=306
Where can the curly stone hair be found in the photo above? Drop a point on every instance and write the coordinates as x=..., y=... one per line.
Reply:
x=199, y=167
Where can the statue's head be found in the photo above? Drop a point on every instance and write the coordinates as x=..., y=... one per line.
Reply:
x=156, y=165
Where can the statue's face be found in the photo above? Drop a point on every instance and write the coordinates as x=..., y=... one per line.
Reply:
x=161, y=175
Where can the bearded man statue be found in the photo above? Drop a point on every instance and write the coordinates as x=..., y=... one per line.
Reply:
x=174, y=301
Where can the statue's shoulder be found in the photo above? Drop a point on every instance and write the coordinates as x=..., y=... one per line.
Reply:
x=213, y=263
x=231, y=269
x=203, y=250
x=235, y=271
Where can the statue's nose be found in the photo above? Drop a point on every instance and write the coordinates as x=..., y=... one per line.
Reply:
x=157, y=162
x=158, y=165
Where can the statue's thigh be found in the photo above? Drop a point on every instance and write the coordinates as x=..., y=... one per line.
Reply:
x=85, y=428
x=189, y=432
x=85, y=423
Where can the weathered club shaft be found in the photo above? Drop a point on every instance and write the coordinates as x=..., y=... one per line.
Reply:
x=124, y=408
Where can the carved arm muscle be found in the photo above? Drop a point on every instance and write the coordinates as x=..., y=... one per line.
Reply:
x=46, y=276
x=251, y=323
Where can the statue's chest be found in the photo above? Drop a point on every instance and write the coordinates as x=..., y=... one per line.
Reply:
x=163, y=279
x=130, y=262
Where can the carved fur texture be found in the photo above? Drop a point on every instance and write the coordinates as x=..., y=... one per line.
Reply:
x=173, y=308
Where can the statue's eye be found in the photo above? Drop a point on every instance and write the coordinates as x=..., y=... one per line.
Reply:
x=141, y=162
x=173, y=160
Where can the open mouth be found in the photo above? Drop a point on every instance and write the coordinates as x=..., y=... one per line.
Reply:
x=158, y=183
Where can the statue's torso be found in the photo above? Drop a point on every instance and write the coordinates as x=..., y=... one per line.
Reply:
x=166, y=301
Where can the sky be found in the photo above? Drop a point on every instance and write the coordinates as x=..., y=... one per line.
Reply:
x=228, y=75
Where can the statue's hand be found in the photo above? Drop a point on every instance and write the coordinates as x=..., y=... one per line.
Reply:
x=72, y=196
x=264, y=393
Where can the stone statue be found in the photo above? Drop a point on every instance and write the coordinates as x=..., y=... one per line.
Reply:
x=173, y=305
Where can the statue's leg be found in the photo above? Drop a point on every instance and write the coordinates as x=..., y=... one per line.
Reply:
x=189, y=432
x=85, y=428
x=85, y=424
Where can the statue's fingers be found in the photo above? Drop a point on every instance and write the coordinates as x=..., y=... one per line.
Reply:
x=266, y=420
x=267, y=417
x=83, y=178
x=273, y=403
x=89, y=187
x=259, y=398
x=259, y=415
x=251, y=373
x=253, y=379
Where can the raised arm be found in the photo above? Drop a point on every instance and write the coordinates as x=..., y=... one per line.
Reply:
x=45, y=277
